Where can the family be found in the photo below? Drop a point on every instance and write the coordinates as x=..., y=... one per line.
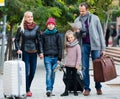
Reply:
x=79, y=44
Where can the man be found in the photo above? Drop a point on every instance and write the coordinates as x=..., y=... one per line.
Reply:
x=107, y=36
x=113, y=34
x=118, y=36
x=92, y=42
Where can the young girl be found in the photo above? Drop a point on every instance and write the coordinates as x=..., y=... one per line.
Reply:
x=72, y=61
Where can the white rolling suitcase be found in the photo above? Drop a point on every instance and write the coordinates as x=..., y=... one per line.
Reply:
x=14, y=81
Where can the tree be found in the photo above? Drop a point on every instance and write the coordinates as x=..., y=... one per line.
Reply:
x=102, y=10
x=64, y=11
x=14, y=9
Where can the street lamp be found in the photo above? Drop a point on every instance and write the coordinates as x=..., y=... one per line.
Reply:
x=3, y=43
x=1, y=28
x=1, y=23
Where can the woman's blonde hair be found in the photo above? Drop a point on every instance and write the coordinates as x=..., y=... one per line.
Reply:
x=22, y=22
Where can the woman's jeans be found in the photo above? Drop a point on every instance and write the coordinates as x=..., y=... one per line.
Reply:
x=86, y=51
x=50, y=64
x=30, y=60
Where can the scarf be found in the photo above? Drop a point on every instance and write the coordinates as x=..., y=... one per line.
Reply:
x=75, y=42
x=83, y=19
x=29, y=26
x=47, y=31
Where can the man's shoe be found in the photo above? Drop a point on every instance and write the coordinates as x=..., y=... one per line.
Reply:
x=29, y=94
x=99, y=92
x=75, y=93
x=64, y=94
x=86, y=93
x=48, y=94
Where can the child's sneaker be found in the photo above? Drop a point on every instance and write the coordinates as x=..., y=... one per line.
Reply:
x=64, y=94
x=48, y=93
x=75, y=93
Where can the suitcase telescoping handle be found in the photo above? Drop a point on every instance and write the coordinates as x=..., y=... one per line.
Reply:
x=19, y=74
x=20, y=56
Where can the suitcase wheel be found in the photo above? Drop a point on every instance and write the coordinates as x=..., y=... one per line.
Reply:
x=14, y=97
x=5, y=96
x=22, y=97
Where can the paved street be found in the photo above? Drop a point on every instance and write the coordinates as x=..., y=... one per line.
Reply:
x=111, y=91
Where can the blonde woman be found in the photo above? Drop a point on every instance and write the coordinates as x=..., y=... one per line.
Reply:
x=28, y=35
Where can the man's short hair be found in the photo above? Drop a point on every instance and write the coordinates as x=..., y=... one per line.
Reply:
x=84, y=4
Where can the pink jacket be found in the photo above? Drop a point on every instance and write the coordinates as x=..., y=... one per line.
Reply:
x=73, y=56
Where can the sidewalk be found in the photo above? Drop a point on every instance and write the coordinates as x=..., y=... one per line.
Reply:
x=38, y=86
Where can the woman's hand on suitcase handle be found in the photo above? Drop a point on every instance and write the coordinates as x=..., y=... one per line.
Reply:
x=41, y=56
x=19, y=52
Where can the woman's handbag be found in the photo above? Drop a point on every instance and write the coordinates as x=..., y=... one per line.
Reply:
x=104, y=69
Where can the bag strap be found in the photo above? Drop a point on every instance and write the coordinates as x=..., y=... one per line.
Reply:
x=90, y=18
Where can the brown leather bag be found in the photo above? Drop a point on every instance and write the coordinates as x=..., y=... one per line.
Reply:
x=104, y=69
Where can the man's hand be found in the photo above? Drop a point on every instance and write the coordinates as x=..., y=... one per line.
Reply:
x=103, y=53
x=76, y=29
x=41, y=56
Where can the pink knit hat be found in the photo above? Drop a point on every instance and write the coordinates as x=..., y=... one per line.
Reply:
x=51, y=20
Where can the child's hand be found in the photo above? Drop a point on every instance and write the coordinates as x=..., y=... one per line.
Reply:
x=58, y=62
x=77, y=66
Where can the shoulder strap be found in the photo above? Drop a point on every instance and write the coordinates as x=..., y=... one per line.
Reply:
x=36, y=27
x=90, y=18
